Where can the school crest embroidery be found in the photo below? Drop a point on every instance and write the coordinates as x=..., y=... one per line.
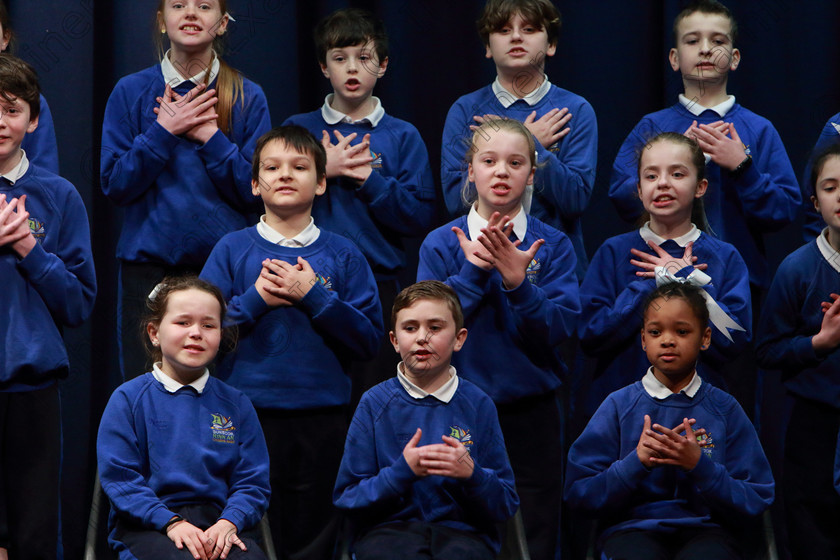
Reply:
x=377, y=160
x=325, y=281
x=461, y=435
x=37, y=229
x=706, y=444
x=532, y=273
x=222, y=428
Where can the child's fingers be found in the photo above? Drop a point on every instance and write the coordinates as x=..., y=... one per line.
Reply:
x=530, y=118
x=532, y=251
x=325, y=139
x=415, y=439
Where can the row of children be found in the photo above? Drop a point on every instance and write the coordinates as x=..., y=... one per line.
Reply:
x=193, y=120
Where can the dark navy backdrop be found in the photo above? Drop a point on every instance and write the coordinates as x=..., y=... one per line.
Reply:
x=613, y=52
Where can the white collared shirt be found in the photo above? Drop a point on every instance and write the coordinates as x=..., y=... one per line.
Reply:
x=827, y=251
x=507, y=98
x=443, y=394
x=172, y=386
x=172, y=77
x=18, y=170
x=333, y=117
x=475, y=222
x=658, y=390
x=305, y=238
x=648, y=235
x=696, y=109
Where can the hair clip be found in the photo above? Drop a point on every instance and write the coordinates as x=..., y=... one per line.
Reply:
x=154, y=293
x=230, y=17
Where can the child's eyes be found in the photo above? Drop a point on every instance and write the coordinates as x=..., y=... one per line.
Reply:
x=679, y=174
x=650, y=177
x=300, y=167
x=653, y=332
x=210, y=326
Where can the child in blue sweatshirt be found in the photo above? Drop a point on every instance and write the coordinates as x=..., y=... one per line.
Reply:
x=800, y=336
x=49, y=282
x=752, y=187
x=518, y=35
x=670, y=465
x=515, y=277
x=425, y=473
x=814, y=223
x=306, y=304
x=177, y=140
x=181, y=454
x=673, y=245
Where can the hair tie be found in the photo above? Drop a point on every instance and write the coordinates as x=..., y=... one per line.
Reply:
x=717, y=316
x=155, y=291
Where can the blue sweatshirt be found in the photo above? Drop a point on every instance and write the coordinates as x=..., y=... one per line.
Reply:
x=764, y=198
x=612, y=302
x=378, y=487
x=179, y=197
x=296, y=357
x=567, y=169
x=158, y=451
x=513, y=347
x=792, y=315
x=40, y=146
x=397, y=200
x=606, y=478
x=55, y=285
x=813, y=220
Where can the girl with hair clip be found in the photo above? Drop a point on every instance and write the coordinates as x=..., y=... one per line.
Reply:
x=673, y=245
x=177, y=142
x=519, y=306
x=181, y=454
x=40, y=146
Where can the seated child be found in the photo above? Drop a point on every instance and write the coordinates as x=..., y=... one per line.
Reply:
x=752, y=187
x=518, y=35
x=660, y=487
x=49, y=282
x=306, y=305
x=181, y=454
x=425, y=473
x=800, y=335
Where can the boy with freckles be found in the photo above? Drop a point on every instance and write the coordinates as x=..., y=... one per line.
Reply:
x=425, y=473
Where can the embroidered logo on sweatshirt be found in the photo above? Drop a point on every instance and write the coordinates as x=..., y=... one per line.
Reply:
x=37, y=229
x=222, y=428
x=461, y=435
x=532, y=273
x=377, y=160
x=325, y=281
x=706, y=444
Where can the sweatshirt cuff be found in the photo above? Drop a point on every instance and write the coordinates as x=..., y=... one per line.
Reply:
x=703, y=473
x=216, y=149
x=522, y=294
x=160, y=141
x=252, y=303
x=36, y=264
x=315, y=300
x=631, y=471
x=373, y=187
x=475, y=275
x=400, y=476
x=750, y=179
x=160, y=517
x=235, y=516
x=479, y=476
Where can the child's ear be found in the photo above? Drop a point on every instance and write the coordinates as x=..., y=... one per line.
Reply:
x=255, y=187
x=530, y=180
x=460, y=338
x=470, y=173
x=152, y=331
x=551, y=49
x=324, y=70
x=707, y=339
x=321, y=187
x=33, y=124
x=701, y=188
x=394, y=342
x=674, y=59
x=816, y=203
x=735, y=60
x=644, y=343
x=488, y=53
x=383, y=65
x=222, y=25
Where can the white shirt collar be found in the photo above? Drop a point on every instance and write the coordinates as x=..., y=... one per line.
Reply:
x=828, y=252
x=658, y=390
x=475, y=222
x=17, y=171
x=648, y=235
x=507, y=98
x=696, y=109
x=305, y=238
x=443, y=394
x=172, y=386
x=172, y=77
x=332, y=116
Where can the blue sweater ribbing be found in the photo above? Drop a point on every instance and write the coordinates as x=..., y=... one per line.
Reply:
x=764, y=198
x=606, y=478
x=55, y=285
x=296, y=357
x=791, y=316
x=396, y=201
x=512, y=350
x=612, y=300
x=179, y=197
x=563, y=182
x=158, y=451
x=377, y=486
